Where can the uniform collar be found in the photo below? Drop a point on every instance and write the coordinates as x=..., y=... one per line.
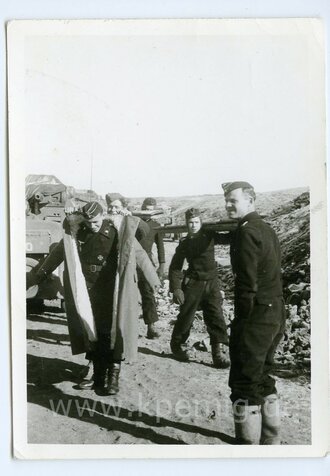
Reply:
x=196, y=235
x=249, y=217
x=105, y=228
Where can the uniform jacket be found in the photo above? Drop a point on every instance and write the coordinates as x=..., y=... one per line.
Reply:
x=256, y=261
x=153, y=237
x=198, y=250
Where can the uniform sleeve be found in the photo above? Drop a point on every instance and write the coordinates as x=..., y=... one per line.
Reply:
x=53, y=260
x=175, y=269
x=248, y=252
x=142, y=230
x=112, y=257
x=112, y=235
x=145, y=265
x=160, y=247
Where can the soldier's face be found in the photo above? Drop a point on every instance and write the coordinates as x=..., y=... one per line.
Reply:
x=94, y=224
x=115, y=207
x=194, y=225
x=149, y=208
x=238, y=204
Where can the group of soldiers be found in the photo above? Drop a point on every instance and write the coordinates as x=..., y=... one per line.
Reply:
x=115, y=253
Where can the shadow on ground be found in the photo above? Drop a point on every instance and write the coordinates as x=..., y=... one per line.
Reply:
x=42, y=375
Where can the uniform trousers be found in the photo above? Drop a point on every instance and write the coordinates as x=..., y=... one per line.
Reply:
x=102, y=355
x=254, y=337
x=149, y=310
x=204, y=295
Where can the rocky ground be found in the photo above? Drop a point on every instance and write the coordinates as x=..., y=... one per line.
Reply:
x=161, y=400
x=291, y=223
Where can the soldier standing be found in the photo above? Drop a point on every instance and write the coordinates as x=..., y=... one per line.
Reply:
x=149, y=309
x=259, y=319
x=117, y=208
x=107, y=256
x=199, y=288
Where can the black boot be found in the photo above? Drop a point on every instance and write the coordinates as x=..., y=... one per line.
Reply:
x=113, y=379
x=220, y=356
x=180, y=351
x=86, y=376
x=97, y=380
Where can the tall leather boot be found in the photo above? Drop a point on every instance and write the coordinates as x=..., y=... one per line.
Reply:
x=271, y=421
x=86, y=376
x=247, y=420
x=113, y=379
x=96, y=379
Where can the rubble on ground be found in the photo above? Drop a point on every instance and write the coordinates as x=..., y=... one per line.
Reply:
x=291, y=223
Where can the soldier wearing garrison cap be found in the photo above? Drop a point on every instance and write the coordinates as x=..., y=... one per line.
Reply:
x=149, y=203
x=259, y=318
x=91, y=210
x=102, y=256
x=149, y=310
x=230, y=186
x=117, y=209
x=198, y=288
x=96, y=240
x=113, y=198
x=192, y=213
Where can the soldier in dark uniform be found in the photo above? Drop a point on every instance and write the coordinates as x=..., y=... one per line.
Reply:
x=259, y=319
x=147, y=294
x=117, y=205
x=97, y=247
x=198, y=289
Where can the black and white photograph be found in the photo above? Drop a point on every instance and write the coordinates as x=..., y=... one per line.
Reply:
x=168, y=238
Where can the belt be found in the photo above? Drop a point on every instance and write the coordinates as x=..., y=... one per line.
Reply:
x=93, y=268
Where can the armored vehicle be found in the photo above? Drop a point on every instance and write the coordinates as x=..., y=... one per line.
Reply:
x=46, y=197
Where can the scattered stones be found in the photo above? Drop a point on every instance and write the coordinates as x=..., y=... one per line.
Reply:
x=291, y=223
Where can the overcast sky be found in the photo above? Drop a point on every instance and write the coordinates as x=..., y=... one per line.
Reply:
x=167, y=114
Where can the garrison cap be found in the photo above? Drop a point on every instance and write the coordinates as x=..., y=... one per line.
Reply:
x=111, y=197
x=91, y=210
x=149, y=201
x=230, y=186
x=192, y=213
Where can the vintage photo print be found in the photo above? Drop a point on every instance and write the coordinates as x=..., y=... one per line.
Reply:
x=168, y=238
